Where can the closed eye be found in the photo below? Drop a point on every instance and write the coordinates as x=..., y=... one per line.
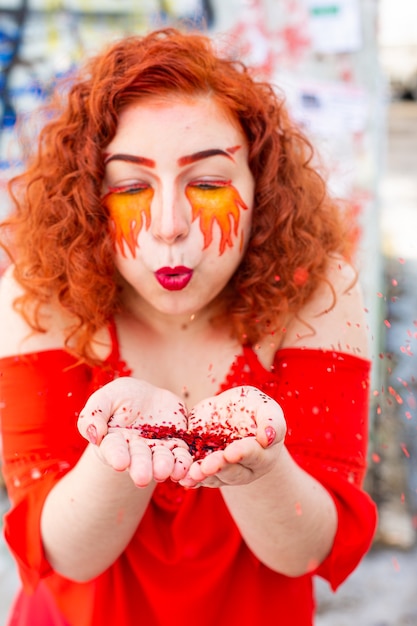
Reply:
x=207, y=185
x=129, y=189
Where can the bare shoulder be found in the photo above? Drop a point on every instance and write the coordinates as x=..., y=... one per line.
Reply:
x=16, y=335
x=334, y=318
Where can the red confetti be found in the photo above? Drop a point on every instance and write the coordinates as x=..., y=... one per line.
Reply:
x=403, y=382
x=387, y=323
x=395, y=564
x=406, y=350
x=396, y=395
x=300, y=276
x=404, y=449
x=376, y=458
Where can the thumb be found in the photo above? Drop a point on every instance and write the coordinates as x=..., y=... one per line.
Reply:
x=93, y=419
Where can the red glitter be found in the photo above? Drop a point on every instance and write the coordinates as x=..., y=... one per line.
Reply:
x=200, y=442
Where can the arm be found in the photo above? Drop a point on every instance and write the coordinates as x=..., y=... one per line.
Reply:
x=90, y=516
x=286, y=516
x=90, y=505
x=92, y=513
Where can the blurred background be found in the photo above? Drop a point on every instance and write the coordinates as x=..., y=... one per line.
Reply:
x=348, y=69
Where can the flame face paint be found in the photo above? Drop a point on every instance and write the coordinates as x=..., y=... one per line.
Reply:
x=129, y=209
x=220, y=203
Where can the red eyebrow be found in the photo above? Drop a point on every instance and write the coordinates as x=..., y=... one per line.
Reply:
x=203, y=154
x=130, y=158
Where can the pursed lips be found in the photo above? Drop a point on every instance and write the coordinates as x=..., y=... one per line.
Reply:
x=174, y=278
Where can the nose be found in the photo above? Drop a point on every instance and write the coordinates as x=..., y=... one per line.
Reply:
x=171, y=216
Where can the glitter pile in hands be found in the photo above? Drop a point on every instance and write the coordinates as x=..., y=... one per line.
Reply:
x=200, y=442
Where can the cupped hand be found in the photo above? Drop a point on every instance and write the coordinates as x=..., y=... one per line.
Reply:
x=133, y=425
x=257, y=430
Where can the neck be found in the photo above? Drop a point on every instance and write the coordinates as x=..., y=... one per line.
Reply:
x=170, y=326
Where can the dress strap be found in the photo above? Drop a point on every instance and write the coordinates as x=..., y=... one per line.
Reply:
x=113, y=367
x=114, y=356
x=251, y=358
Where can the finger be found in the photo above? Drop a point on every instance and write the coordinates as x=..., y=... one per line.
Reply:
x=163, y=462
x=270, y=432
x=270, y=420
x=211, y=482
x=188, y=482
x=93, y=419
x=235, y=474
x=183, y=461
x=140, y=468
x=210, y=465
x=115, y=451
x=247, y=452
x=176, y=464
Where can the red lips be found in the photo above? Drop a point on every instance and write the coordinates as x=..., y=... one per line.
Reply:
x=174, y=278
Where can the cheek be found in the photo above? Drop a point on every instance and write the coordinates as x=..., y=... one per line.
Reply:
x=128, y=214
x=221, y=206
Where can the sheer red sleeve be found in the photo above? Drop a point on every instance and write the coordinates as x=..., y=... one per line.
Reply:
x=40, y=396
x=325, y=398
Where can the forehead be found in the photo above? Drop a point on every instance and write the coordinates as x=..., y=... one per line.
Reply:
x=190, y=124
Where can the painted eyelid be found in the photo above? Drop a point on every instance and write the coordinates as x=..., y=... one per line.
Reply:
x=209, y=183
x=127, y=187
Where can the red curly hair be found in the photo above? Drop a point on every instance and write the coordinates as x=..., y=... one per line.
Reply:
x=60, y=240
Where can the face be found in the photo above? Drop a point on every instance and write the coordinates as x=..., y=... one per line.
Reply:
x=179, y=194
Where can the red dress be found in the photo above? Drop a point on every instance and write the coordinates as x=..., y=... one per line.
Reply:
x=187, y=562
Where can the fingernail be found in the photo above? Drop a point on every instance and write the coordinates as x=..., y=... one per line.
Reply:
x=92, y=434
x=270, y=434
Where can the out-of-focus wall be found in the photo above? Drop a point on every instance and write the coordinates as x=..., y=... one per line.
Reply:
x=322, y=53
x=397, y=39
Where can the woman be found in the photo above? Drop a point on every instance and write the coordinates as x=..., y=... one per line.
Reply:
x=183, y=319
